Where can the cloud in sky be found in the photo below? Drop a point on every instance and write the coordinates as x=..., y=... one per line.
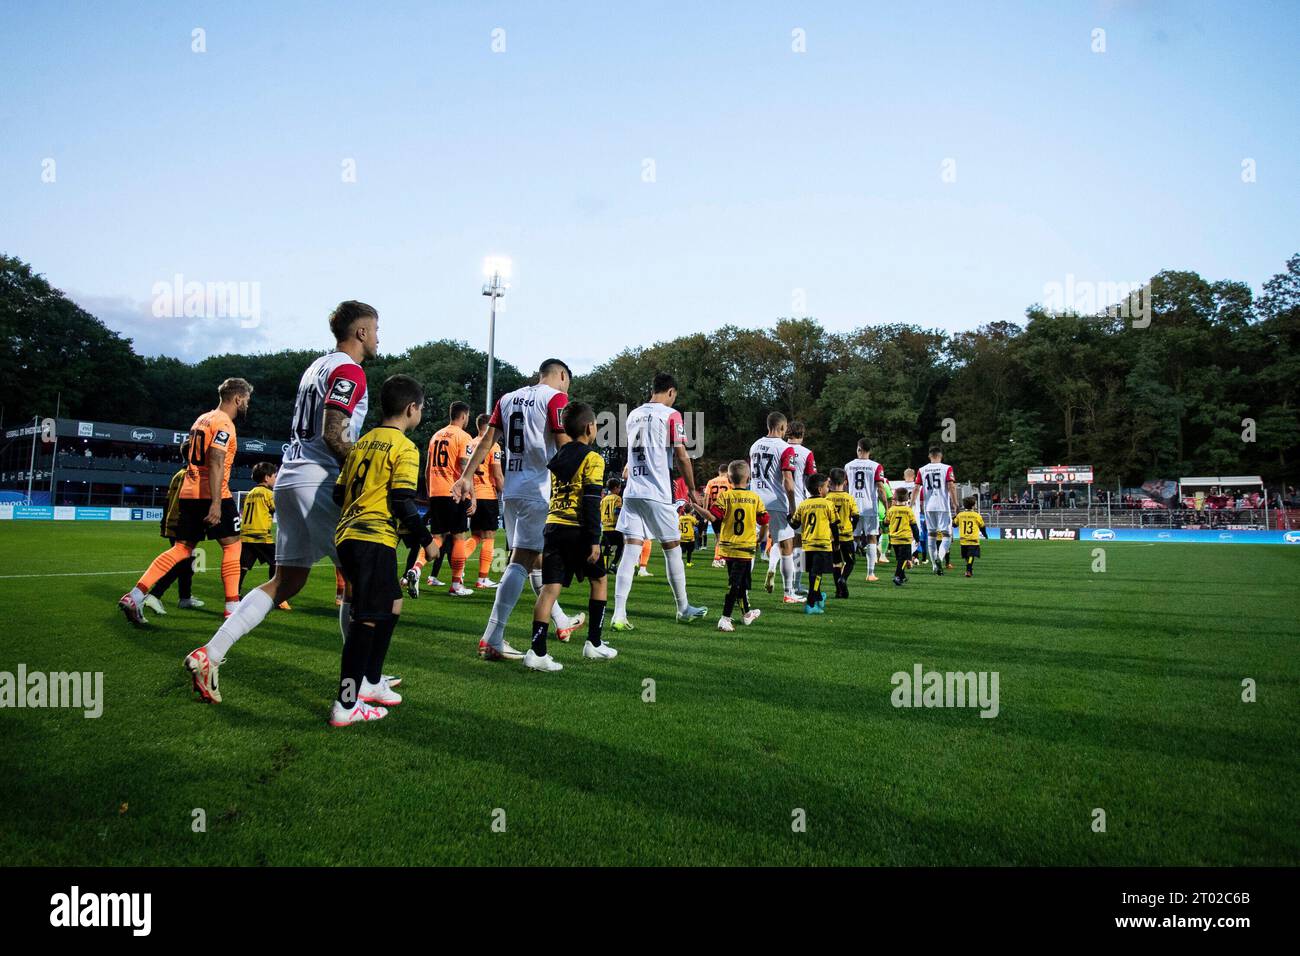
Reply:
x=184, y=337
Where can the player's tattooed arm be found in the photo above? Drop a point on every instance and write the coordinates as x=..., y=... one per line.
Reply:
x=336, y=429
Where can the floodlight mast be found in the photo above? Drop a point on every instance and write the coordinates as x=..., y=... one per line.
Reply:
x=497, y=271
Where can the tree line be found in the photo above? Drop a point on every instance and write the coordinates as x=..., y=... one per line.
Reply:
x=1208, y=383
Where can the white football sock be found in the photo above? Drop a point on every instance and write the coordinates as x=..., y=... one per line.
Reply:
x=255, y=606
x=507, y=595
x=773, y=556
x=798, y=567
x=787, y=573
x=623, y=580
x=677, y=577
x=871, y=557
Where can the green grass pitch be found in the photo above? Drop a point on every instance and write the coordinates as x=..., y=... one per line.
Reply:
x=1119, y=690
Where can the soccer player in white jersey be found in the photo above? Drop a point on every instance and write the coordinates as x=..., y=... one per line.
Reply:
x=529, y=424
x=867, y=485
x=771, y=466
x=804, y=467
x=936, y=489
x=656, y=437
x=327, y=417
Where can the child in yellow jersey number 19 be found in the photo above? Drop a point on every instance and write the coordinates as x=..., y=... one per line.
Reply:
x=818, y=525
x=375, y=492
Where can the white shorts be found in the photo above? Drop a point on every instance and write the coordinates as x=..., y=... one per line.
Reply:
x=868, y=524
x=648, y=520
x=940, y=521
x=306, y=518
x=525, y=522
x=778, y=526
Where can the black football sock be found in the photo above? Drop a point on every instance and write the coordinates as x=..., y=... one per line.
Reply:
x=970, y=565
x=437, y=564
x=744, y=601
x=539, y=637
x=379, y=649
x=729, y=603
x=410, y=559
x=595, y=621
x=356, y=653
x=185, y=579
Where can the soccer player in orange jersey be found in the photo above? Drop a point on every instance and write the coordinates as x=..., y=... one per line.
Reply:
x=207, y=509
x=483, y=523
x=446, y=519
x=714, y=487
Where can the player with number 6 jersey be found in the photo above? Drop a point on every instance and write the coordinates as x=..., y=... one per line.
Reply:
x=529, y=422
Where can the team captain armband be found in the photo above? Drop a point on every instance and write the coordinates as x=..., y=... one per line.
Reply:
x=346, y=386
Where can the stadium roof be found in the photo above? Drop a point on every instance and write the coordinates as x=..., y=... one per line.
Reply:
x=1235, y=481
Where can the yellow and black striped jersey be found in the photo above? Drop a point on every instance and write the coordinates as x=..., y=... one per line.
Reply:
x=255, y=517
x=740, y=509
x=846, y=512
x=383, y=460
x=686, y=526
x=900, y=520
x=574, y=473
x=610, y=506
x=969, y=524
x=817, y=523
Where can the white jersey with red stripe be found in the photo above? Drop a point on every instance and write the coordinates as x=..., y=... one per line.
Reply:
x=653, y=430
x=332, y=381
x=804, y=465
x=932, y=487
x=863, y=474
x=769, y=459
x=528, y=419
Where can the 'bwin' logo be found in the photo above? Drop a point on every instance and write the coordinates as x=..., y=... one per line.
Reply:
x=103, y=909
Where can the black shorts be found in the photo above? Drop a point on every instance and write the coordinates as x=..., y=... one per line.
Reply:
x=487, y=516
x=611, y=549
x=902, y=553
x=564, y=556
x=371, y=569
x=446, y=516
x=970, y=551
x=844, y=551
x=250, y=552
x=190, y=526
x=740, y=573
x=818, y=562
